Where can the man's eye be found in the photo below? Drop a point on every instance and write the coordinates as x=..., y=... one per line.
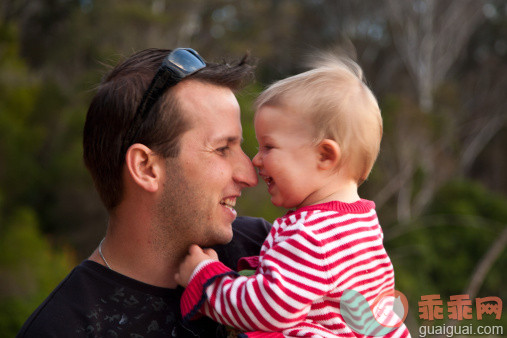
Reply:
x=223, y=150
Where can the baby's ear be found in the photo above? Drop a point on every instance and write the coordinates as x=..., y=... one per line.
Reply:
x=329, y=154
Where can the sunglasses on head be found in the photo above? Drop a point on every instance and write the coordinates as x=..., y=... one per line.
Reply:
x=177, y=65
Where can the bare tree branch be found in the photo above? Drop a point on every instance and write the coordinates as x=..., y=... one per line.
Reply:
x=429, y=37
x=482, y=268
x=485, y=264
x=479, y=141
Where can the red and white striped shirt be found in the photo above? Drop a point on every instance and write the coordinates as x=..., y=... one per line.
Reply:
x=310, y=257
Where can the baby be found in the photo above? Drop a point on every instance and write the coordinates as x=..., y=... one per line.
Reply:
x=319, y=135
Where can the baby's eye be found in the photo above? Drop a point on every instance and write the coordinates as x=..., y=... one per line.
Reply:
x=264, y=148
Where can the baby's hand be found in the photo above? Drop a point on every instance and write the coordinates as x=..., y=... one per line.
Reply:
x=195, y=256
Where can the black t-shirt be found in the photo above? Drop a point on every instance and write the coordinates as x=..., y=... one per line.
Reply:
x=94, y=301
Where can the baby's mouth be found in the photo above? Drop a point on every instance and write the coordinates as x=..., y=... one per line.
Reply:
x=267, y=179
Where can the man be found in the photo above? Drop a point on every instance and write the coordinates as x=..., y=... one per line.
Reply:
x=162, y=141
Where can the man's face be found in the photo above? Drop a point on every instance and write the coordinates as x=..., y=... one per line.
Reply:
x=207, y=177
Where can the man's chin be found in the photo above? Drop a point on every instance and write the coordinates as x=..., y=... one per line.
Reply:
x=224, y=238
x=218, y=238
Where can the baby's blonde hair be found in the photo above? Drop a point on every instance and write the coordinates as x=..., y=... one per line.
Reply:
x=335, y=99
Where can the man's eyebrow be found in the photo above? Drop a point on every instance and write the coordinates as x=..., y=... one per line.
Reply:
x=228, y=139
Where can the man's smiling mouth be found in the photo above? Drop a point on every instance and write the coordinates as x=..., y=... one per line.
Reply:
x=229, y=202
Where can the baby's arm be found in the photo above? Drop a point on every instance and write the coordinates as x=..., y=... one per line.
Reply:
x=192, y=260
x=276, y=299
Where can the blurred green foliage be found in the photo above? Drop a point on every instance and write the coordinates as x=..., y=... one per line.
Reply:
x=438, y=252
x=30, y=268
x=20, y=138
x=449, y=240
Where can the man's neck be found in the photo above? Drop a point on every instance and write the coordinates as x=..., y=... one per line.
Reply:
x=135, y=254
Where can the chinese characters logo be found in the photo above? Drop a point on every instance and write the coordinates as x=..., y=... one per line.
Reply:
x=459, y=307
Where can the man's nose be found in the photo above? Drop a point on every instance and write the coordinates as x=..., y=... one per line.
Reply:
x=244, y=172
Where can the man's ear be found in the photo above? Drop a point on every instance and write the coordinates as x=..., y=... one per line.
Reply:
x=143, y=166
x=329, y=154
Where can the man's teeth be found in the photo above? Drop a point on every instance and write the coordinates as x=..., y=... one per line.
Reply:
x=229, y=202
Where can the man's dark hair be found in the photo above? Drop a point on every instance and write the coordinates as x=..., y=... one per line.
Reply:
x=113, y=108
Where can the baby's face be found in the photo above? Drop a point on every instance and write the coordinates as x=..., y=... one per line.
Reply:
x=287, y=158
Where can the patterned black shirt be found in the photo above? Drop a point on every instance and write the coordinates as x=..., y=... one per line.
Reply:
x=94, y=301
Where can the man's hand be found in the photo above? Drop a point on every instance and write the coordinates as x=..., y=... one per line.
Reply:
x=195, y=256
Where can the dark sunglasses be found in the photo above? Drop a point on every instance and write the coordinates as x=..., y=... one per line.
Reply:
x=176, y=66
